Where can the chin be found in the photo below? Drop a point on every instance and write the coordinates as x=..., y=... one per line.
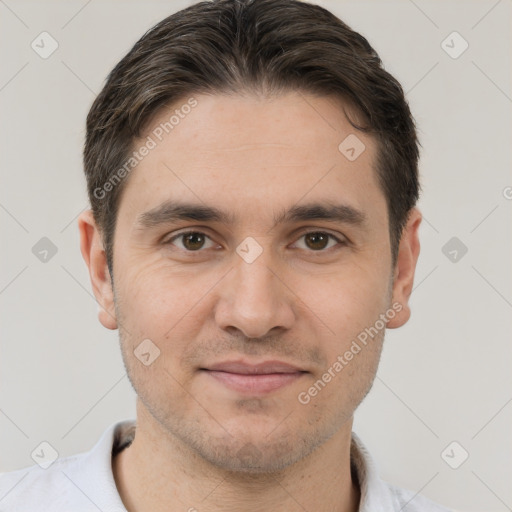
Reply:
x=250, y=453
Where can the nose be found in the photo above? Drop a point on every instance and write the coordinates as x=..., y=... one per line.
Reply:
x=255, y=299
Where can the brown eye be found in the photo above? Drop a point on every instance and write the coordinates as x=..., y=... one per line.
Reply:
x=193, y=241
x=317, y=241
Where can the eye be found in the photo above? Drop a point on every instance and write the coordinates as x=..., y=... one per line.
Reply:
x=318, y=241
x=191, y=241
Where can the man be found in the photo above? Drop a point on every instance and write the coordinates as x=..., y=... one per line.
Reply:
x=252, y=172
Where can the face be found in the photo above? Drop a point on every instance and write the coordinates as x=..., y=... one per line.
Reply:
x=254, y=255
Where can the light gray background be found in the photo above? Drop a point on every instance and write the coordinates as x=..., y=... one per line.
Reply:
x=444, y=377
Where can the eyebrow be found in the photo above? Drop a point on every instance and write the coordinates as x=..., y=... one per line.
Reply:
x=329, y=212
x=174, y=211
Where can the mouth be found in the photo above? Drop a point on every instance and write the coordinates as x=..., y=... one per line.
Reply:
x=254, y=379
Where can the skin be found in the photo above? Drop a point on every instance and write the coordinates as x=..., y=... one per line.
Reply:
x=200, y=445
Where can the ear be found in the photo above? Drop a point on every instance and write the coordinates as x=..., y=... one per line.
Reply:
x=94, y=255
x=408, y=252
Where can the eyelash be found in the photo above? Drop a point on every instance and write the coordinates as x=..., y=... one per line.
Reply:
x=330, y=235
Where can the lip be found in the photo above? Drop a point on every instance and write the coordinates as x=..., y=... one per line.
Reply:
x=246, y=368
x=254, y=378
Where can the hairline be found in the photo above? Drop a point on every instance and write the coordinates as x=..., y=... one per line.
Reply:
x=342, y=102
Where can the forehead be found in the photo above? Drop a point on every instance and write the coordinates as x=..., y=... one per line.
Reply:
x=291, y=121
x=249, y=152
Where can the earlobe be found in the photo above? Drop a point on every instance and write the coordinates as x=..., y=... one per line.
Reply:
x=408, y=253
x=91, y=246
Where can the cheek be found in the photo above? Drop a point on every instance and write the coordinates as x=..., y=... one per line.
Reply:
x=347, y=301
x=350, y=304
x=351, y=374
x=158, y=305
x=152, y=294
x=168, y=306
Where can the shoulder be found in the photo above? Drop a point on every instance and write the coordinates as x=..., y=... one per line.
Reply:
x=36, y=489
x=81, y=483
x=376, y=494
x=410, y=501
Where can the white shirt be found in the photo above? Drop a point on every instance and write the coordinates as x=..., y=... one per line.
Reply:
x=85, y=482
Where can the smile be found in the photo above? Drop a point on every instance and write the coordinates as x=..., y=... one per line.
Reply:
x=254, y=379
x=254, y=383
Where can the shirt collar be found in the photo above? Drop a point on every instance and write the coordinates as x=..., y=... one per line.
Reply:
x=375, y=494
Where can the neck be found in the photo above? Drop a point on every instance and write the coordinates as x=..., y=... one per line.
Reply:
x=157, y=473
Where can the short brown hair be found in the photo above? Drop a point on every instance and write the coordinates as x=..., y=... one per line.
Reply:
x=261, y=46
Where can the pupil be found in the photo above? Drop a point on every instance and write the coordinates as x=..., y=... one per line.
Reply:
x=194, y=241
x=317, y=241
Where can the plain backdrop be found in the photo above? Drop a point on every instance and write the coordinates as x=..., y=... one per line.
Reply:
x=444, y=377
